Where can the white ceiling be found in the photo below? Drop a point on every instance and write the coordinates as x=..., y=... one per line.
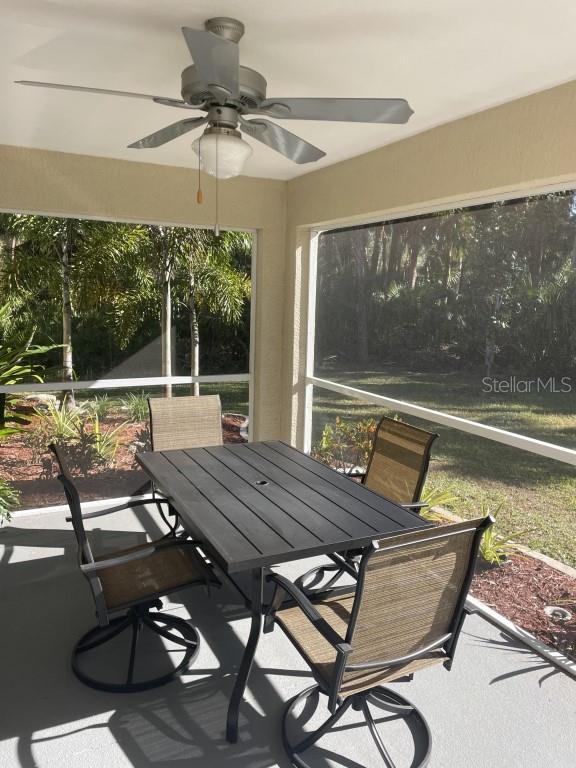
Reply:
x=449, y=58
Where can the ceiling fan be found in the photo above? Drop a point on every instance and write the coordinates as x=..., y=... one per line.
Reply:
x=226, y=92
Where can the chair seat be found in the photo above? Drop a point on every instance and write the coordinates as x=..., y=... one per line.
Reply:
x=321, y=656
x=168, y=569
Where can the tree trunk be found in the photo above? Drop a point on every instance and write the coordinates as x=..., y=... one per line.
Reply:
x=413, y=267
x=461, y=272
x=67, y=357
x=194, y=336
x=395, y=254
x=447, y=269
x=362, y=293
x=573, y=255
x=166, y=315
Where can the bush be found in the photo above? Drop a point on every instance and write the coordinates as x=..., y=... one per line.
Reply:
x=495, y=548
x=99, y=406
x=345, y=444
x=87, y=444
x=8, y=500
x=136, y=406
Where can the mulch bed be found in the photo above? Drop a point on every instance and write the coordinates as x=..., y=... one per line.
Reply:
x=39, y=487
x=521, y=588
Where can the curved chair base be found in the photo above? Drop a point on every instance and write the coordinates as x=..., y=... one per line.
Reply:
x=138, y=619
x=380, y=697
x=309, y=582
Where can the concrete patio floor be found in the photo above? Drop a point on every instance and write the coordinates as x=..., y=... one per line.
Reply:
x=501, y=705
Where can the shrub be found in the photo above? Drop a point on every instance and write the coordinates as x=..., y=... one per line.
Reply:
x=136, y=406
x=8, y=500
x=87, y=444
x=100, y=406
x=496, y=547
x=345, y=444
x=105, y=442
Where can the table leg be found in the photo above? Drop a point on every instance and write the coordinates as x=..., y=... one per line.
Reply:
x=248, y=657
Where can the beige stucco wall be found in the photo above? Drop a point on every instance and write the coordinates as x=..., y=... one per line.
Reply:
x=65, y=184
x=520, y=146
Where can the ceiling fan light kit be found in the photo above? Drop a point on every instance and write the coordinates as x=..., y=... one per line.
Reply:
x=219, y=86
x=222, y=152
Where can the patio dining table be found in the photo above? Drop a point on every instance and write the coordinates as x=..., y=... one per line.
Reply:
x=260, y=504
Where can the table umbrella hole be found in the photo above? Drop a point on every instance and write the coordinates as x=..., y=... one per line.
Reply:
x=261, y=482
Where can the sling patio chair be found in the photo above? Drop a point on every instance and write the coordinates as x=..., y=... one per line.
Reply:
x=193, y=421
x=397, y=470
x=126, y=586
x=405, y=613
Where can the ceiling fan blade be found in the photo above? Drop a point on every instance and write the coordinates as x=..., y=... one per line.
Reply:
x=217, y=61
x=345, y=110
x=107, y=92
x=278, y=138
x=164, y=135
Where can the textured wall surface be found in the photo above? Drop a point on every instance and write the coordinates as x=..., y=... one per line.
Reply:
x=37, y=181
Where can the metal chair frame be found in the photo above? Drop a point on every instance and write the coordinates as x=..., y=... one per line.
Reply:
x=133, y=615
x=156, y=494
x=346, y=562
x=377, y=695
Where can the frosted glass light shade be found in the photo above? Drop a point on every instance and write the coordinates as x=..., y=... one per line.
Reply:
x=221, y=154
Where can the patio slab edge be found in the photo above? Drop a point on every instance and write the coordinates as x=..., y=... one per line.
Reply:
x=554, y=657
x=15, y=514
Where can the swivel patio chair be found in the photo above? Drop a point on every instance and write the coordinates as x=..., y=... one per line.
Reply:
x=397, y=470
x=180, y=423
x=405, y=613
x=126, y=586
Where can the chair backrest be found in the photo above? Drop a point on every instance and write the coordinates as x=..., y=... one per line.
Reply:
x=399, y=460
x=185, y=422
x=73, y=499
x=410, y=598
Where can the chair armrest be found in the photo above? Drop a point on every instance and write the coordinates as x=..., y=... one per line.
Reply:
x=111, y=562
x=91, y=569
x=285, y=586
x=119, y=508
x=415, y=505
x=353, y=474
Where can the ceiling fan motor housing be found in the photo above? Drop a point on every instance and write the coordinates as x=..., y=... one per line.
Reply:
x=252, y=87
x=223, y=26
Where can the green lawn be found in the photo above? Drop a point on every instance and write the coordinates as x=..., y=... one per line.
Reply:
x=536, y=493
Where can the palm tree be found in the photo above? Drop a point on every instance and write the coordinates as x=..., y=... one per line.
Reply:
x=78, y=259
x=216, y=284
x=201, y=272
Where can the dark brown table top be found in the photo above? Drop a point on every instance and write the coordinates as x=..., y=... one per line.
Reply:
x=259, y=504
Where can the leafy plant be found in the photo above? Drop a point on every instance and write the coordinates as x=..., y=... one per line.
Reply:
x=345, y=444
x=54, y=423
x=7, y=431
x=60, y=422
x=8, y=500
x=496, y=547
x=100, y=406
x=436, y=497
x=105, y=441
x=87, y=443
x=136, y=405
x=17, y=364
